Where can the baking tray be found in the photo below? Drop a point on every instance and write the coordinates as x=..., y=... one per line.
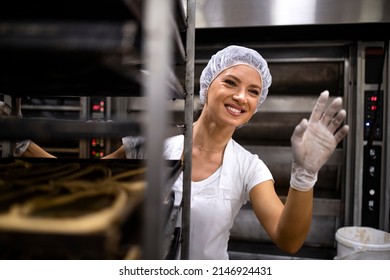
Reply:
x=79, y=238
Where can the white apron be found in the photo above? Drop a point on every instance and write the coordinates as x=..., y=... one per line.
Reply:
x=211, y=215
x=216, y=200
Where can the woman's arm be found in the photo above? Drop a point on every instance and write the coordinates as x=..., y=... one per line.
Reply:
x=33, y=150
x=286, y=224
x=119, y=154
x=312, y=143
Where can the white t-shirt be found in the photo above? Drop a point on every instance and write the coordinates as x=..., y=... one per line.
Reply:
x=215, y=201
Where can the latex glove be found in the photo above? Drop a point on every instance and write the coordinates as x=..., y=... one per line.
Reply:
x=314, y=141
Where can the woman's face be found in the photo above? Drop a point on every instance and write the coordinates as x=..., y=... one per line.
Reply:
x=234, y=94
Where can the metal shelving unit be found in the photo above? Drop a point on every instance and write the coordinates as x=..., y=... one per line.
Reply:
x=111, y=48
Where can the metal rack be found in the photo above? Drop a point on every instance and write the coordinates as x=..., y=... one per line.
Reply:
x=111, y=48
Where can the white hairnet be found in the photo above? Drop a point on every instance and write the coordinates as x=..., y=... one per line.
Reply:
x=228, y=57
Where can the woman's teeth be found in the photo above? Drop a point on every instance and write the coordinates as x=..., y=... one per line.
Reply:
x=233, y=110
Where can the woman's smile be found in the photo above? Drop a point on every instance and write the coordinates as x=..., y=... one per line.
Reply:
x=234, y=110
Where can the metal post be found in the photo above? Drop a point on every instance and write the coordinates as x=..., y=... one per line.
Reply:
x=157, y=53
x=189, y=110
x=7, y=146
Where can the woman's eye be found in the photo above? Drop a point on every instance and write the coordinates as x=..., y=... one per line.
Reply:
x=255, y=92
x=230, y=82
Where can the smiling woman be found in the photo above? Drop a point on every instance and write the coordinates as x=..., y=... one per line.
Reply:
x=225, y=176
x=229, y=57
x=238, y=89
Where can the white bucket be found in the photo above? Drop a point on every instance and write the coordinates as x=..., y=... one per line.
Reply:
x=362, y=243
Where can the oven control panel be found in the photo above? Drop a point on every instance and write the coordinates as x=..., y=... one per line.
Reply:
x=373, y=111
x=98, y=112
x=371, y=185
x=373, y=136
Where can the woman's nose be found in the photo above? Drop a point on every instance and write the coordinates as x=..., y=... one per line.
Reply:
x=240, y=96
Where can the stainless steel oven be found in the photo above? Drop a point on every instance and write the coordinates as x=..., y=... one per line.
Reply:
x=300, y=72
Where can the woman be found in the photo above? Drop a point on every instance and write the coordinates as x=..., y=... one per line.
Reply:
x=225, y=176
